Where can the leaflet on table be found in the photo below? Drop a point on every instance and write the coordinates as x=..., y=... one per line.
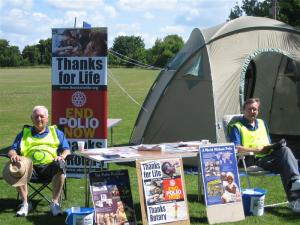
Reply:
x=220, y=174
x=147, y=147
x=164, y=191
x=105, y=153
x=170, y=147
x=181, y=147
x=112, y=199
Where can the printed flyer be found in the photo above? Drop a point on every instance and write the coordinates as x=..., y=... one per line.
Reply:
x=220, y=174
x=164, y=191
x=112, y=199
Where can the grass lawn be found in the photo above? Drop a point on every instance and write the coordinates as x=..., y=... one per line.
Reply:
x=21, y=89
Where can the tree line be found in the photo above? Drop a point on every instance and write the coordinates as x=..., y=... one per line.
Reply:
x=130, y=51
x=287, y=11
x=126, y=51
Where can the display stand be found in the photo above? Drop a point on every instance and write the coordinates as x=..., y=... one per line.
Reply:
x=162, y=191
x=112, y=199
x=223, y=198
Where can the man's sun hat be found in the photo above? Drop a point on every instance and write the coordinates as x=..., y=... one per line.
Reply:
x=18, y=173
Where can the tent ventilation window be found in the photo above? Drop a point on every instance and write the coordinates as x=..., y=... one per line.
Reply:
x=195, y=70
x=250, y=78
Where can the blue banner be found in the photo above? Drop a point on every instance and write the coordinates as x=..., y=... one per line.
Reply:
x=220, y=174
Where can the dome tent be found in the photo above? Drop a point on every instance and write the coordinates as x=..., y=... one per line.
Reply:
x=213, y=74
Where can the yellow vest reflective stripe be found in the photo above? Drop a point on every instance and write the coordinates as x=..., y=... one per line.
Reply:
x=40, y=150
x=254, y=138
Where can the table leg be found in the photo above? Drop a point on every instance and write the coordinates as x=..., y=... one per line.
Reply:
x=111, y=137
x=86, y=183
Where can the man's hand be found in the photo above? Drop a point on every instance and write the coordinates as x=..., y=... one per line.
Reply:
x=14, y=157
x=64, y=154
x=264, y=149
x=59, y=158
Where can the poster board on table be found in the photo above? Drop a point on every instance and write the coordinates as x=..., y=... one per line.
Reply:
x=111, y=196
x=162, y=191
x=79, y=85
x=222, y=192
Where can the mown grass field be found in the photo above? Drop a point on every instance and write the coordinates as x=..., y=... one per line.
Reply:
x=21, y=89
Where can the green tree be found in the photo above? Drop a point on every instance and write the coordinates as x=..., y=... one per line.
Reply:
x=257, y=8
x=236, y=12
x=164, y=50
x=32, y=54
x=45, y=47
x=287, y=11
x=9, y=55
x=132, y=47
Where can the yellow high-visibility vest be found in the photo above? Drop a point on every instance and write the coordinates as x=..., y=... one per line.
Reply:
x=254, y=138
x=42, y=151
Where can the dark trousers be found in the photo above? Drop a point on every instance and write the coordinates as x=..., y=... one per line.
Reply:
x=283, y=161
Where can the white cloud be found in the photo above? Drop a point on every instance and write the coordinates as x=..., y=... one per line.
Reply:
x=148, y=16
x=172, y=30
x=128, y=28
x=23, y=4
x=24, y=31
x=141, y=5
x=111, y=11
x=75, y=4
x=24, y=22
x=69, y=17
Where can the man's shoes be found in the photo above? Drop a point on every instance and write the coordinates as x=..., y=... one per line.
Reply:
x=295, y=206
x=24, y=209
x=55, y=209
x=295, y=185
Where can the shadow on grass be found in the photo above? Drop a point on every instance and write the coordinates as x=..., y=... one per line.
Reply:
x=138, y=213
x=283, y=212
x=36, y=216
x=195, y=198
x=8, y=204
x=46, y=219
x=197, y=220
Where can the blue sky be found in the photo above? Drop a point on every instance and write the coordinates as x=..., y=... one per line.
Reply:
x=25, y=22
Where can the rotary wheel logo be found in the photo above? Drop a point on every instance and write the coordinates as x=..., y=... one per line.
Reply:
x=78, y=99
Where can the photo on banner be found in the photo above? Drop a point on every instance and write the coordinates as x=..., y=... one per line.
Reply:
x=161, y=182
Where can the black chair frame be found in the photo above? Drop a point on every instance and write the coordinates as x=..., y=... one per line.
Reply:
x=37, y=186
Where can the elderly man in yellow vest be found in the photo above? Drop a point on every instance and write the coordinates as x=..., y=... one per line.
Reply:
x=251, y=135
x=47, y=147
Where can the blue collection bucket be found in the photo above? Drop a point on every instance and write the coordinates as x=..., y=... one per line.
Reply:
x=253, y=201
x=80, y=216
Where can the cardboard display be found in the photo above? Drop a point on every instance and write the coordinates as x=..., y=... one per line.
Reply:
x=112, y=199
x=162, y=191
x=223, y=197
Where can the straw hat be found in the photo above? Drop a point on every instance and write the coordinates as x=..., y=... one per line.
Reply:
x=18, y=173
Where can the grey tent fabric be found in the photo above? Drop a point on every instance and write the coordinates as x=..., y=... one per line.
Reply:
x=207, y=79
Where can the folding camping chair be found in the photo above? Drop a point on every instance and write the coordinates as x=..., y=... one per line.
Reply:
x=38, y=186
x=249, y=170
x=241, y=157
